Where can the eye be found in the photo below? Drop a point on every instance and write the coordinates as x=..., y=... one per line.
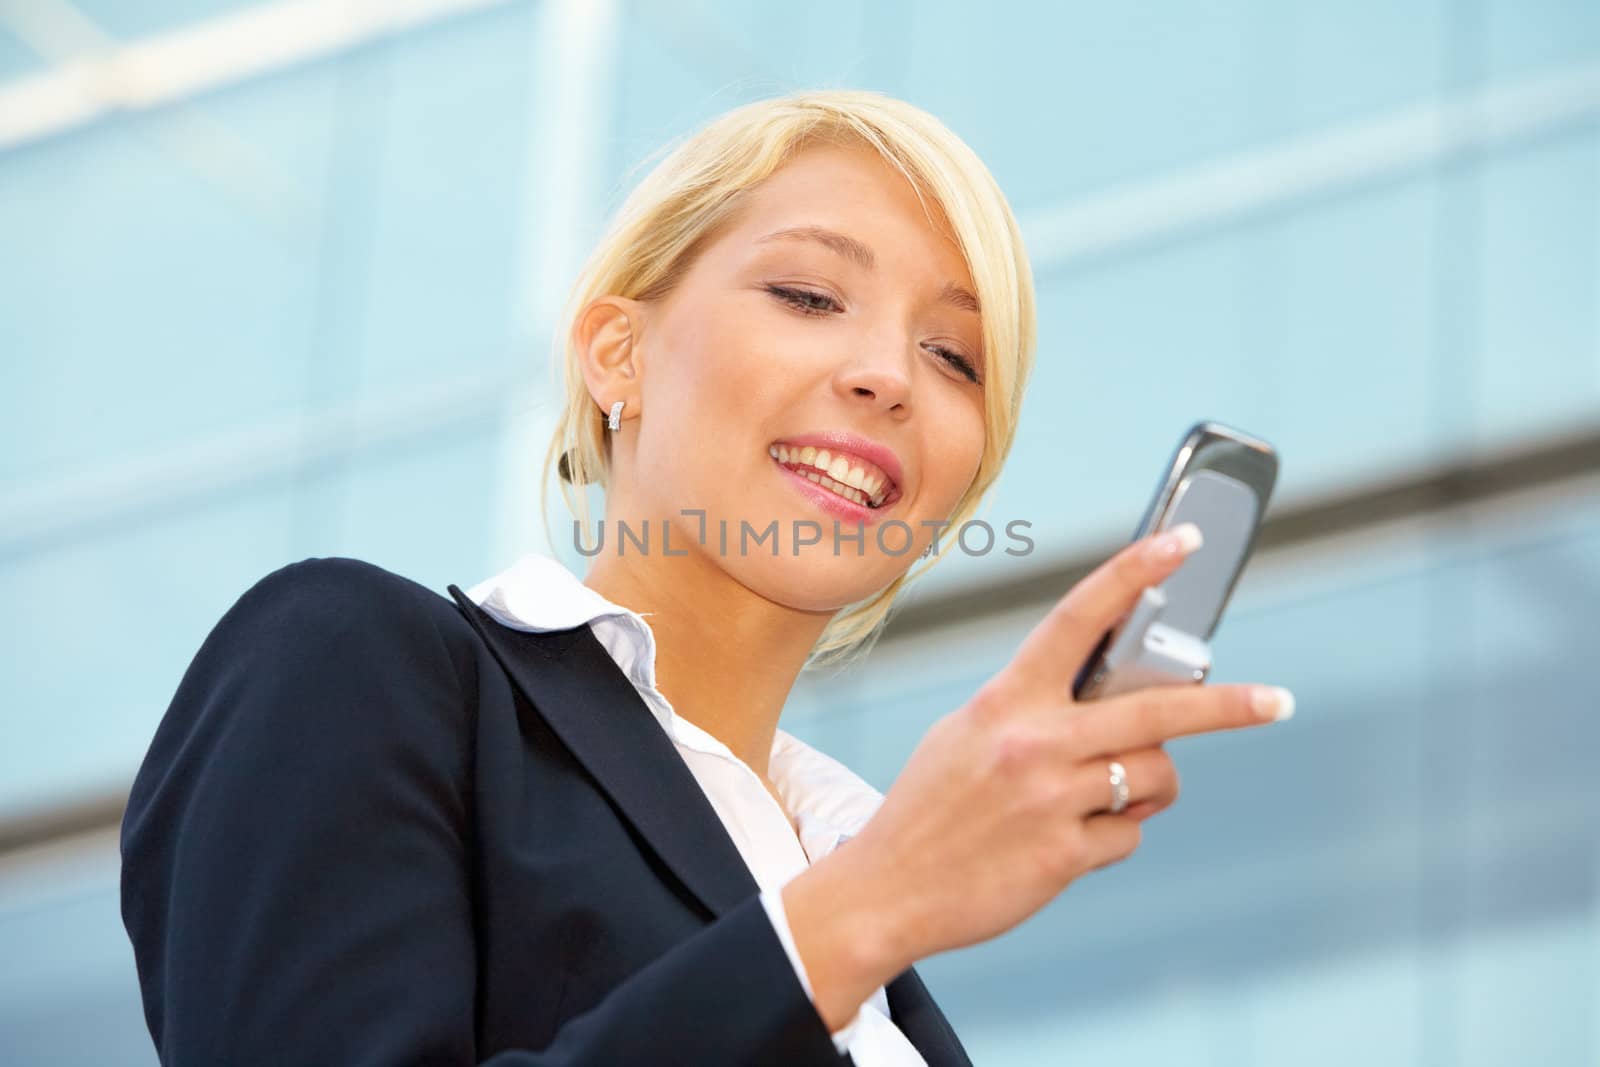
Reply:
x=962, y=364
x=809, y=302
x=804, y=300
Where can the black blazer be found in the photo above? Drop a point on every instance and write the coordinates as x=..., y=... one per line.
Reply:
x=378, y=827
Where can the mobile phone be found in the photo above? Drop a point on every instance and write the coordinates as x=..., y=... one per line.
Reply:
x=1220, y=479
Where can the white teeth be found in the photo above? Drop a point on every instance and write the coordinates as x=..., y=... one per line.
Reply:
x=857, y=483
x=858, y=477
x=843, y=490
x=828, y=483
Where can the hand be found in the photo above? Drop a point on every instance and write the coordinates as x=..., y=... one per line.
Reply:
x=1003, y=803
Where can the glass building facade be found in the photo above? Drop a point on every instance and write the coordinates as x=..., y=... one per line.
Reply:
x=279, y=280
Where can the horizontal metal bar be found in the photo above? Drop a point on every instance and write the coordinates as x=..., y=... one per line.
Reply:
x=1570, y=455
x=90, y=814
x=181, y=64
x=51, y=511
x=1321, y=163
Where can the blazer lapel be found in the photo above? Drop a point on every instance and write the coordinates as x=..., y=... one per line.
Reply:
x=913, y=1010
x=593, y=707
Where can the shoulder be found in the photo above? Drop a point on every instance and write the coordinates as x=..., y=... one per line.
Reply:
x=344, y=618
x=340, y=587
x=350, y=599
x=325, y=665
x=333, y=696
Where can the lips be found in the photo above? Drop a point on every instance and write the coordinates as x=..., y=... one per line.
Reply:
x=860, y=451
x=840, y=469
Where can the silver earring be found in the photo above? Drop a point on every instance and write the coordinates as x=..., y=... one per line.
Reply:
x=615, y=421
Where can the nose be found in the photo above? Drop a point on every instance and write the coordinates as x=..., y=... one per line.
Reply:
x=878, y=377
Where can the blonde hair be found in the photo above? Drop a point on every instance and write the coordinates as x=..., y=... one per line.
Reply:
x=697, y=188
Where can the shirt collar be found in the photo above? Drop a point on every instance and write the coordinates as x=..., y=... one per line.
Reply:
x=540, y=594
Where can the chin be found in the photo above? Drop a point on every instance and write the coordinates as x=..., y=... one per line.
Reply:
x=816, y=580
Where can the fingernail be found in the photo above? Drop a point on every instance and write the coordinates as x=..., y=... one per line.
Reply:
x=1179, y=541
x=1272, y=702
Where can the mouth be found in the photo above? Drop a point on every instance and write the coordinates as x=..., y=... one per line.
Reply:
x=846, y=474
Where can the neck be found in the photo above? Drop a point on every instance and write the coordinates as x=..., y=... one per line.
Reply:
x=726, y=658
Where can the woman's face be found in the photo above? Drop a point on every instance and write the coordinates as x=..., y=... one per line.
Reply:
x=830, y=323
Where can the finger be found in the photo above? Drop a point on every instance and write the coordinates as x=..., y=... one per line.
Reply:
x=1110, y=839
x=1160, y=713
x=1056, y=648
x=1145, y=809
x=1149, y=773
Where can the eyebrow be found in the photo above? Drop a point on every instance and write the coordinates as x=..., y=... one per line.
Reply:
x=862, y=256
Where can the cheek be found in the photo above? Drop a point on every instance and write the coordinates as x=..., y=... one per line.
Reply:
x=707, y=360
x=722, y=376
x=703, y=394
x=954, y=452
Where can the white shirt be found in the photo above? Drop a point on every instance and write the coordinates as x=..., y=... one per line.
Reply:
x=829, y=803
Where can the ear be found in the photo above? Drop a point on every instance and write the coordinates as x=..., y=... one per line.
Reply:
x=605, y=336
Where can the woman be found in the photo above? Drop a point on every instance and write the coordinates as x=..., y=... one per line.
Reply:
x=380, y=826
